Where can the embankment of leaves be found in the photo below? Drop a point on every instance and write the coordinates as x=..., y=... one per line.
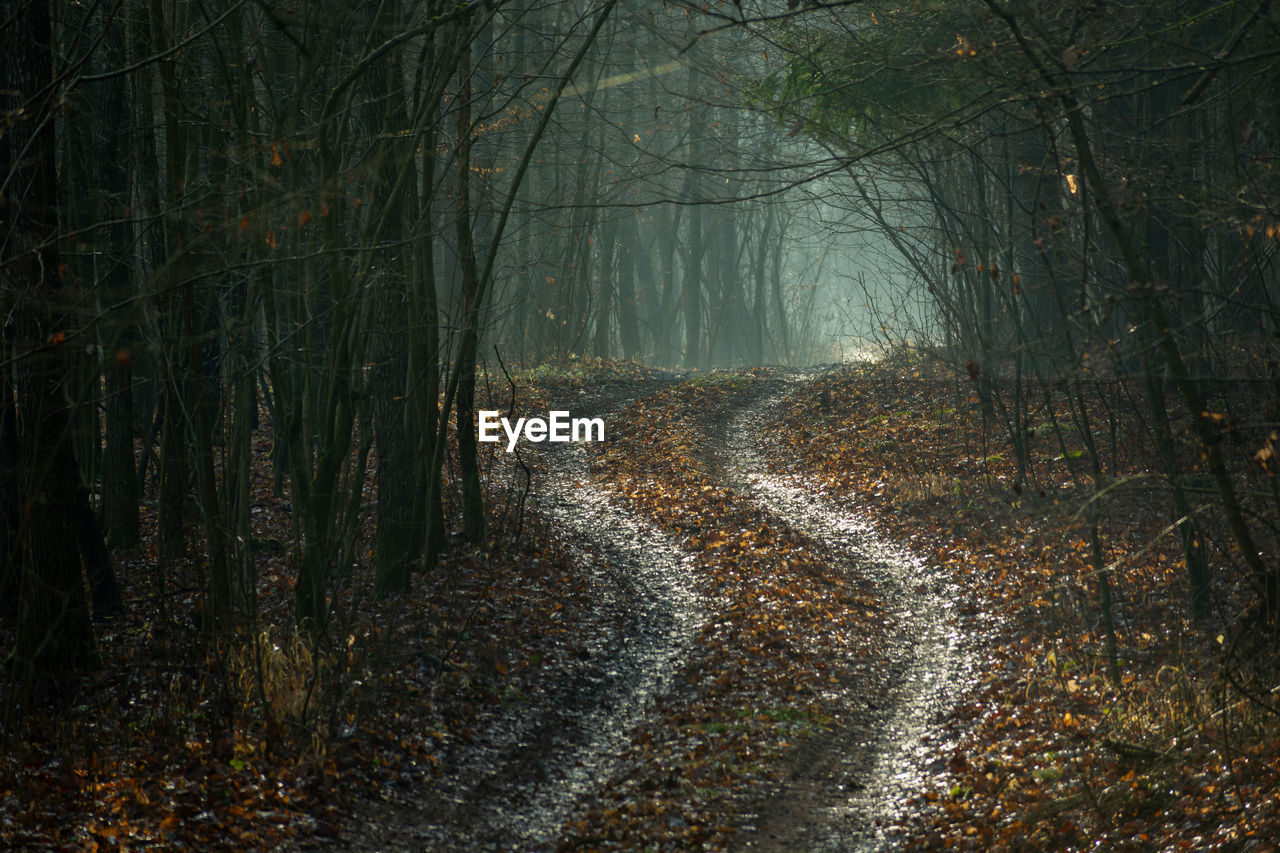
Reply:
x=1049, y=752
x=785, y=632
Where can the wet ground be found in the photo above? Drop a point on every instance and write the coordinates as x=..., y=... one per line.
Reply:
x=853, y=790
x=516, y=784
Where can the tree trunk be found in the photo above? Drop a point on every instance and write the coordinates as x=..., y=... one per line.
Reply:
x=174, y=481
x=628, y=325
x=431, y=520
x=605, y=276
x=54, y=634
x=97, y=560
x=119, y=470
x=691, y=292
x=468, y=463
x=400, y=486
x=9, y=496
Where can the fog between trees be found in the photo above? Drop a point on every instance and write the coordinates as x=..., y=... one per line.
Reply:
x=334, y=215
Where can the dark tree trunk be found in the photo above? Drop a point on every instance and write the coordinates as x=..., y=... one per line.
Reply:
x=97, y=560
x=691, y=294
x=663, y=317
x=54, y=634
x=174, y=474
x=628, y=326
x=1193, y=551
x=400, y=488
x=120, y=494
x=468, y=463
x=606, y=277
x=8, y=489
x=430, y=522
x=119, y=470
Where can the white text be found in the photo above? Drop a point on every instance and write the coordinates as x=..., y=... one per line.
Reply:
x=557, y=426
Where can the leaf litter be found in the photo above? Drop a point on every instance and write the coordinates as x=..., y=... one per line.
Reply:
x=546, y=684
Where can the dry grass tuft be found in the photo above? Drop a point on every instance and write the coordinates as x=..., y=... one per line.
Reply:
x=281, y=674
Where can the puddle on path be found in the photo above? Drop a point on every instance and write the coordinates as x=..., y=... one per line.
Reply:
x=492, y=803
x=929, y=651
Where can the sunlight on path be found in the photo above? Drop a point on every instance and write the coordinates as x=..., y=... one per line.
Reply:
x=651, y=594
x=634, y=554
x=929, y=651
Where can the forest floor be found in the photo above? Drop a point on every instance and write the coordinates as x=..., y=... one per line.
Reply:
x=774, y=610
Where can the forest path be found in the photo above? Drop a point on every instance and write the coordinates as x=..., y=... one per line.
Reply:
x=898, y=663
x=558, y=775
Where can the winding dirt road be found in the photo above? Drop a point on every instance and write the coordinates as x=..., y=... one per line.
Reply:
x=520, y=782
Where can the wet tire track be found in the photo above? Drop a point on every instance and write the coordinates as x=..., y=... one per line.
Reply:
x=515, y=786
x=857, y=786
x=650, y=572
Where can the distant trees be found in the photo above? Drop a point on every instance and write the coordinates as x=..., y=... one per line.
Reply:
x=319, y=216
x=636, y=231
x=325, y=217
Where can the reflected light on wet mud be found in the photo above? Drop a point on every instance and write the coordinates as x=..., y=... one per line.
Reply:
x=930, y=650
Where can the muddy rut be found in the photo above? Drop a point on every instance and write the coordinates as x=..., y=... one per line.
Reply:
x=850, y=791
x=515, y=785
